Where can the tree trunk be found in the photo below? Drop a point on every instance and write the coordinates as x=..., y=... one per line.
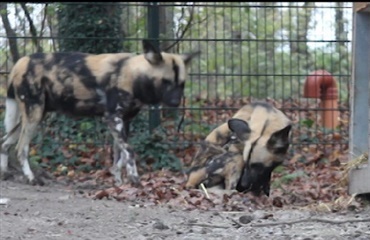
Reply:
x=91, y=27
x=166, y=31
x=10, y=33
x=166, y=27
x=300, y=47
x=340, y=33
x=304, y=19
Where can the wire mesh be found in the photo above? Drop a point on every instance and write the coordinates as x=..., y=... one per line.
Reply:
x=250, y=51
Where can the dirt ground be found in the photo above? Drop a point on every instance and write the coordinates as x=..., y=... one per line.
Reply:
x=60, y=212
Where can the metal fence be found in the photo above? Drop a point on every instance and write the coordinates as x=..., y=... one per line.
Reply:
x=250, y=51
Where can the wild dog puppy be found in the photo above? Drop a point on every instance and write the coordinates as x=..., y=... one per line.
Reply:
x=264, y=132
x=114, y=86
x=217, y=165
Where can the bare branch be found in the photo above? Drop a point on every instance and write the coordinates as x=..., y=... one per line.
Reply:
x=180, y=19
x=310, y=220
x=206, y=225
x=32, y=28
x=186, y=28
x=44, y=19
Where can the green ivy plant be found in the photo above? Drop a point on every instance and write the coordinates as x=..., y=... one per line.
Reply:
x=153, y=147
x=75, y=136
x=79, y=136
x=90, y=27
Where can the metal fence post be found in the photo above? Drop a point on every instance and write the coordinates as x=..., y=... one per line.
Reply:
x=359, y=134
x=153, y=34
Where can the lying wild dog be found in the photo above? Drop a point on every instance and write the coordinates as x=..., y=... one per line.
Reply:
x=114, y=86
x=217, y=165
x=264, y=131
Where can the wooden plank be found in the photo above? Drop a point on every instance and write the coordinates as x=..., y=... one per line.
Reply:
x=359, y=179
x=361, y=6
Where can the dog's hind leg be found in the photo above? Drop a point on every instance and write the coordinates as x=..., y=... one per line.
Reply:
x=196, y=176
x=12, y=129
x=233, y=171
x=30, y=120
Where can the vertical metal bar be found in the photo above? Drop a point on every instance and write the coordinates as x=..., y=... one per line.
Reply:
x=153, y=34
x=359, y=178
x=360, y=85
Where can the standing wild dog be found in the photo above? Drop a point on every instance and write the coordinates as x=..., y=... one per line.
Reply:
x=264, y=131
x=111, y=85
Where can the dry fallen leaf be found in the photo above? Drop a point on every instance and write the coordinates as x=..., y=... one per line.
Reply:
x=312, y=173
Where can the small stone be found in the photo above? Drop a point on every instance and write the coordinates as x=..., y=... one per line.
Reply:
x=245, y=219
x=204, y=231
x=159, y=225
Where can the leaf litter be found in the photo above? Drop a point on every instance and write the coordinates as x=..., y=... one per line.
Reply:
x=314, y=175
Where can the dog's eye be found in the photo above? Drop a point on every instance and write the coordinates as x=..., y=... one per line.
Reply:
x=281, y=150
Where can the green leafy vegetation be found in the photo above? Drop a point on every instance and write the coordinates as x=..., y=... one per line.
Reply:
x=153, y=148
x=90, y=27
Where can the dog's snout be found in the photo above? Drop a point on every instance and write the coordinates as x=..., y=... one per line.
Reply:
x=174, y=102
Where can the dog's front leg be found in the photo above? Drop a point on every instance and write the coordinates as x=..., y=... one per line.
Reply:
x=123, y=154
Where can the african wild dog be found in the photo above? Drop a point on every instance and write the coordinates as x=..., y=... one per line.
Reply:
x=114, y=86
x=264, y=131
x=217, y=165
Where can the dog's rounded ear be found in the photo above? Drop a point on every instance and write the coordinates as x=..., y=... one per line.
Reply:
x=152, y=54
x=240, y=128
x=187, y=57
x=279, y=140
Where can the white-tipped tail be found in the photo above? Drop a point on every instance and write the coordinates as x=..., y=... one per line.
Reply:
x=12, y=114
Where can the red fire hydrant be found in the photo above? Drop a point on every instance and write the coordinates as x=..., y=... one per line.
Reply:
x=321, y=84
